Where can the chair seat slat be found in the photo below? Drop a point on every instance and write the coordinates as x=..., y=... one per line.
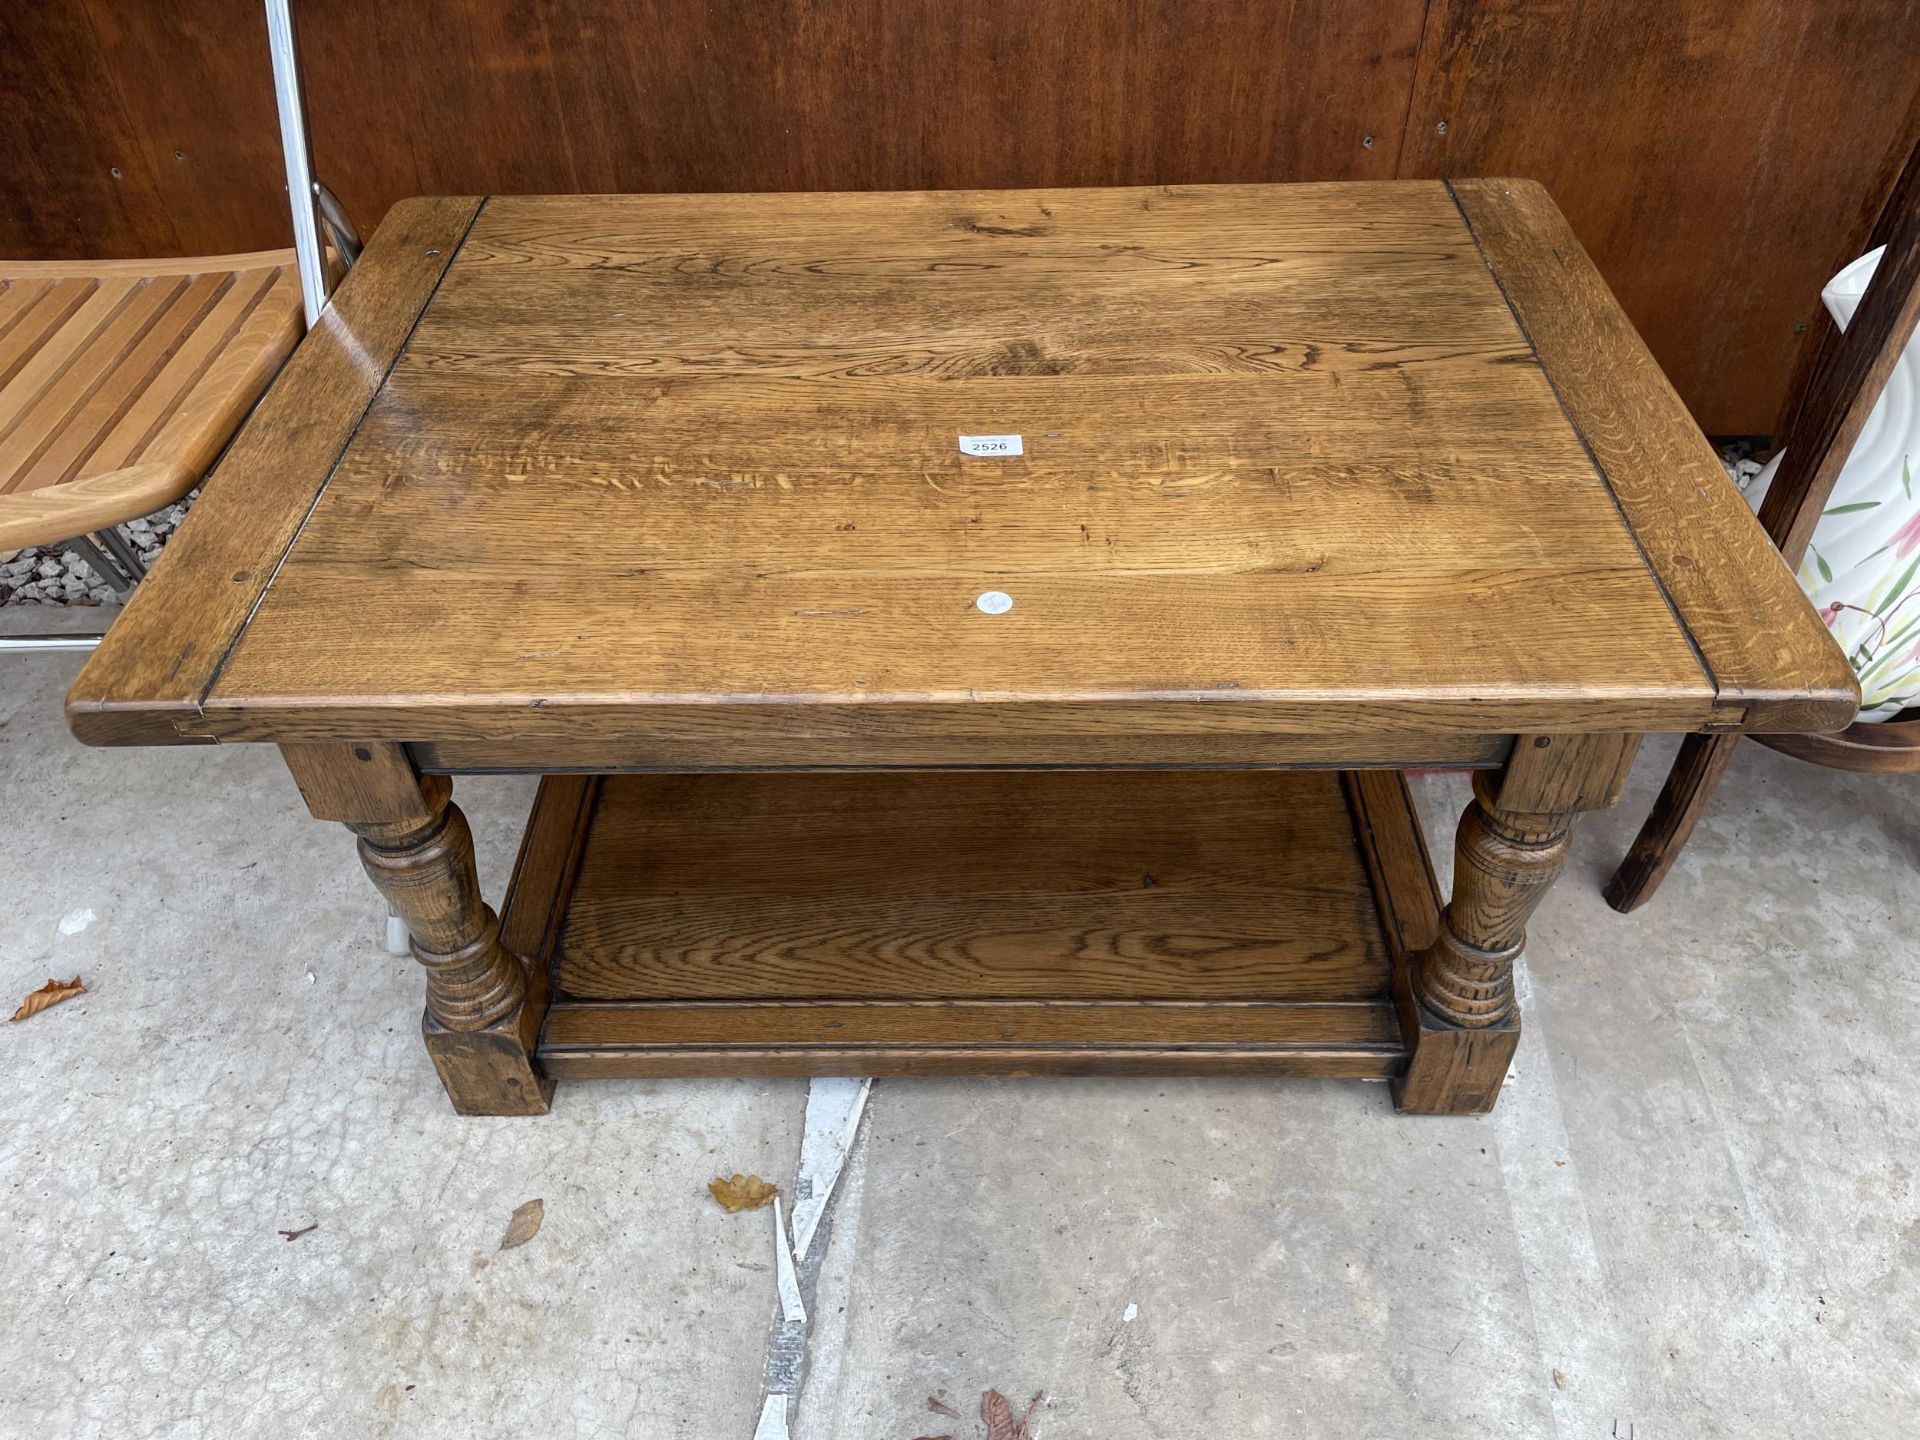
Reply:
x=42, y=373
x=81, y=447
x=125, y=378
x=240, y=370
x=135, y=434
x=52, y=418
x=45, y=315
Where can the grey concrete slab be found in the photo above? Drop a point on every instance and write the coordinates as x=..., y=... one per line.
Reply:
x=247, y=1060
x=1693, y=1213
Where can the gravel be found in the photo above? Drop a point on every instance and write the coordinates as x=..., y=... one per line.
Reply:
x=59, y=576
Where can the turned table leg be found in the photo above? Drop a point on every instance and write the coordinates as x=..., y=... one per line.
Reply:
x=483, y=1010
x=1459, y=1016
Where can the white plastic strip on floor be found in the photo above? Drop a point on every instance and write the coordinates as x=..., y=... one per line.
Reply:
x=793, y=1310
x=834, y=1107
x=773, y=1419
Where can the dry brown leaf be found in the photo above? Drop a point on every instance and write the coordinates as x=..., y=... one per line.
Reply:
x=742, y=1192
x=51, y=993
x=1559, y=1379
x=998, y=1414
x=934, y=1402
x=524, y=1224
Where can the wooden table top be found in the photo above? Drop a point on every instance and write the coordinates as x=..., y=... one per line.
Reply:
x=1309, y=459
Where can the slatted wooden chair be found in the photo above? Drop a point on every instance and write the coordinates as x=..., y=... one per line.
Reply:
x=1849, y=371
x=120, y=381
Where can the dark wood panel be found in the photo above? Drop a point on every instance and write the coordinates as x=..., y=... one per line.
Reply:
x=196, y=86
x=1875, y=197
x=457, y=96
x=1718, y=159
x=63, y=137
x=855, y=94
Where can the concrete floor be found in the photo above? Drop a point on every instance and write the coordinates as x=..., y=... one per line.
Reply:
x=1693, y=1213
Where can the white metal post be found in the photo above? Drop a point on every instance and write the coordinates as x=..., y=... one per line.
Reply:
x=293, y=144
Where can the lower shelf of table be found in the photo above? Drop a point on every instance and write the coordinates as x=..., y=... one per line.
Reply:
x=1171, y=922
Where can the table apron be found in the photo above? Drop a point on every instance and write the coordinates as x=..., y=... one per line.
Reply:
x=607, y=755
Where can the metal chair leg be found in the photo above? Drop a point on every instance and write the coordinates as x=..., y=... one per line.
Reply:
x=124, y=555
x=120, y=581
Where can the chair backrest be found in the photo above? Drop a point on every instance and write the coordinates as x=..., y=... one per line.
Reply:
x=1848, y=374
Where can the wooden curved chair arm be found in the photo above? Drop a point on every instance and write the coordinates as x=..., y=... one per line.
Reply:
x=1891, y=747
x=122, y=380
x=56, y=513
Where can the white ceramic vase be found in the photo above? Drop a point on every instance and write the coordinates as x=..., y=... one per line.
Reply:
x=1862, y=567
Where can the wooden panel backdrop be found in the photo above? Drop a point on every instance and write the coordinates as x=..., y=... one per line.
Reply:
x=1718, y=157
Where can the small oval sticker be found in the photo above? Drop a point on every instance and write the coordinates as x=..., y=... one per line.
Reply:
x=994, y=602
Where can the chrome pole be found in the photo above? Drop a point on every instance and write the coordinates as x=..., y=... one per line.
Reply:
x=43, y=644
x=293, y=145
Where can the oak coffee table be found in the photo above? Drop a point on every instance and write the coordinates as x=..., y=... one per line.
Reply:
x=968, y=632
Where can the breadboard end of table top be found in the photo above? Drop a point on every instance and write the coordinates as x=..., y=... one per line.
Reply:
x=159, y=659
x=108, y=723
x=1774, y=664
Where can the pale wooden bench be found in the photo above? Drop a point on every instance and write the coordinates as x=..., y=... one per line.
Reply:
x=121, y=381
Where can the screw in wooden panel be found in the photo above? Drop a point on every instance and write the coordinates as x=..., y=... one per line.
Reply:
x=115, y=172
x=1441, y=128
x=1366, y=142
x=179, y=154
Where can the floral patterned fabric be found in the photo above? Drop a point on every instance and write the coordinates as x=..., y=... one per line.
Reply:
x=1873, y=606
x=1862, y=568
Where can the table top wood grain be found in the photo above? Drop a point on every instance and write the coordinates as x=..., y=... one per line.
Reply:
x=1307, y=460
